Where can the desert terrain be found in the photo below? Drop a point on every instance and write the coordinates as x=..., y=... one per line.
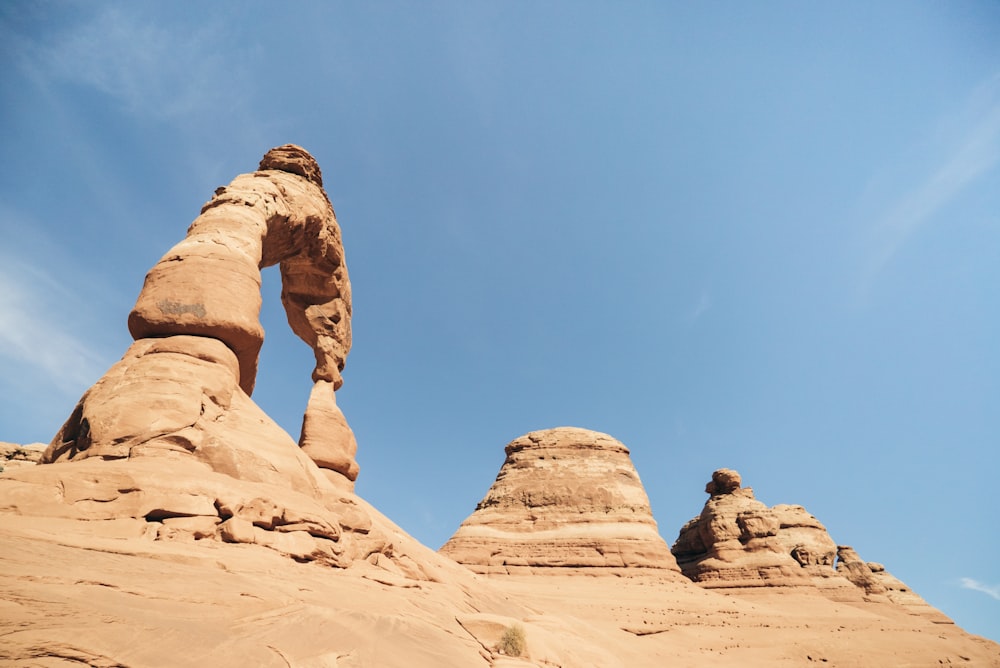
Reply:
x=171, y=522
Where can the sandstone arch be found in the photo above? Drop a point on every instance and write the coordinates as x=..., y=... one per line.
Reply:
x=196, y=322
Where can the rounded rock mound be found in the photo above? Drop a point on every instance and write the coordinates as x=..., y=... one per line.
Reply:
x=565, y=498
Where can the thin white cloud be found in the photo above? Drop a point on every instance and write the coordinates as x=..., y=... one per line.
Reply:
x=703, y=305
x=976, y=585
x=152, y=70
x=191, y=75
x=34, y=331
x=971, y=150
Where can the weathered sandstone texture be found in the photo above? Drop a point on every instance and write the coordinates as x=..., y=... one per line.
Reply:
x=170, y=437
x=564, y=498
x=739, y=542
x=877, y=583
x=173, y=523
x=734, y=542
x=184, y=385
x=14, y=455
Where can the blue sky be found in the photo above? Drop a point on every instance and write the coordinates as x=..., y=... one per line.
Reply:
x=759, y=236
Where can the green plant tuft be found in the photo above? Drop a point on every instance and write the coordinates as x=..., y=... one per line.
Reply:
x=512, y=641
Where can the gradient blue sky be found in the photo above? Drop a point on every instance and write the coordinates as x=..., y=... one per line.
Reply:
x=752, y=235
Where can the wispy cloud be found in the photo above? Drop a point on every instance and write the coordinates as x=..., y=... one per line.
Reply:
x=34, y=331
x=976, y=585
x=701, y=307
x=151, y=69
x=189, y=74
x=969, y=151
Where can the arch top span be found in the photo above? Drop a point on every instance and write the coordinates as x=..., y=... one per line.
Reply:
x=209, y=283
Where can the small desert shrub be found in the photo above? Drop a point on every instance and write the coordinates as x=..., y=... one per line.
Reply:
x=512, y=641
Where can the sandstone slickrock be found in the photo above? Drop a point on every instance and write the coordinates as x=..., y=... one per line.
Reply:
x=564, y=498
x=737, y=541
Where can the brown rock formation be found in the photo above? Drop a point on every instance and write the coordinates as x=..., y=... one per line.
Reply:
x=851, y=566
x=169, y=435
x=198, y=334
x=734, y=542
x=174, y=523
x=805, y=538
x=564, y=498
x=14, y=455
x=877, y=583
x=738, y=542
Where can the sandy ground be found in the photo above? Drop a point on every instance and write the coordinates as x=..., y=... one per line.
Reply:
x=101, y=594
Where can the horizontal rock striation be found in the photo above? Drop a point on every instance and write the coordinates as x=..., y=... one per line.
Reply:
x=196, y=323
x=170, y=437
x=738, y=542
x=565, y=498
x=15, y=455
x=877, y=583
x=734, y=542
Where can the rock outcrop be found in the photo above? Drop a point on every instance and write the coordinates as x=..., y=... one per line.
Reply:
x=170, y=438
x=184, y=385
x=565, y=498
x=735, y=543
x=739, y=542
x=172, y=522
x=872, y=578
x=14, y=455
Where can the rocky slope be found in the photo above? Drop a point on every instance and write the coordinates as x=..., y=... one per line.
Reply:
x=172, y=523
x=15, y=455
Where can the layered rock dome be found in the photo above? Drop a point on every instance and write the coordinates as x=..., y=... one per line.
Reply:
x=564, y=498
